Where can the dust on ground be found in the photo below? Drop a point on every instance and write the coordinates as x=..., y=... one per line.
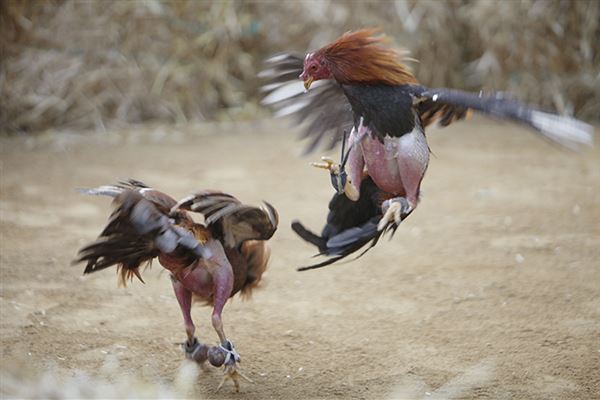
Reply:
x=490, y=289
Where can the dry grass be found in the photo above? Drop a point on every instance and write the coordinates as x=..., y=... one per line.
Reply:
x=89, y=65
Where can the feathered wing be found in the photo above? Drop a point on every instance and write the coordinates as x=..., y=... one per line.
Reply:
x=323, y=111
x=448, y=105
x=162, y=201
x=351, y=226
x=228, y=218
x=137, y=231
x=256, y=253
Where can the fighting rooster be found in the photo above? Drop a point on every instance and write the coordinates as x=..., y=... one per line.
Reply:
x=361, y=85
x=209, y=262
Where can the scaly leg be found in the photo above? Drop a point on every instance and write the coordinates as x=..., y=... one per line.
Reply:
x=194, y=350
x=343, y=181
x=225, y=354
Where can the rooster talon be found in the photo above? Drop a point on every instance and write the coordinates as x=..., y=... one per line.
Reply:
x=320, y=165
x=226, y=355
x=396, y=210
x=337, y=172
x=398, y=216
x=328, y=164
x=232, y=372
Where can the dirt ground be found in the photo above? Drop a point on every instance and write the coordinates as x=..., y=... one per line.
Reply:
x=491, y=289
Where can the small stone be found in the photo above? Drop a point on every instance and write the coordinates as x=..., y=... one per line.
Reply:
x=519, y=258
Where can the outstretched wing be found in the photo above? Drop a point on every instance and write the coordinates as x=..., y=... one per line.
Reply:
x=137, y=231
x=161, y=200
x=448, y=105
x=229, y=219
x=323, y=111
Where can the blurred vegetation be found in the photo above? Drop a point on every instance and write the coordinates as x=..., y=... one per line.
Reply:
x=98, y=64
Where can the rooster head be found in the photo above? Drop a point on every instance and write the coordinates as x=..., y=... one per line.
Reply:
x=315, y=68
x=360, y=57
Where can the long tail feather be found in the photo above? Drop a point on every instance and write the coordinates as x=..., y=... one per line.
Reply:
x=309, y=236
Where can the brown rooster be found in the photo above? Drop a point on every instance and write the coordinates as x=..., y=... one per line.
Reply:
x=209, y=262
x=362, y=85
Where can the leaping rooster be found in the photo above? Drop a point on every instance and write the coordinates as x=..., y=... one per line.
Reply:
x=363, y=85
x=209, y=262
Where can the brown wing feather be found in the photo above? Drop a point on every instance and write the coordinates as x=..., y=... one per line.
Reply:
x=256, y=253
x=137, y=231
x=233, y=221
x=445, y=114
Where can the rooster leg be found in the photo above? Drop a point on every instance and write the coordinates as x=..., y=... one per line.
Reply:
x=411, y=154
x=394, y=211
x=355, y=162
x=346, y=177
x=225, y=354
x=231, y=369
x=194, y=350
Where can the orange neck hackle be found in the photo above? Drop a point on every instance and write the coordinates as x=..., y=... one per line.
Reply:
x=361, y=58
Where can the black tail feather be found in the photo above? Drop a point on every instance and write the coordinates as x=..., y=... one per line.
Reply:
x=309, y=236
x=351, y=225
x=325, y=263
x=353, y=240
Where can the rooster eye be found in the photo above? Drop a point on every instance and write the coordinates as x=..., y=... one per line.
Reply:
x=313, y=67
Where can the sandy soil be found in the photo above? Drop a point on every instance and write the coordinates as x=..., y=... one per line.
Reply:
x=491, y=289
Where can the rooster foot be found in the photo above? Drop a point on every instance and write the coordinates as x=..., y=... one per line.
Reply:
x=336, y=171
x=395, y=210
x=225, y=354
x=232, y=372
x=196, y=351
x=328, y=164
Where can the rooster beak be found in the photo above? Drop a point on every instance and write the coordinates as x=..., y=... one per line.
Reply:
x=307, y=82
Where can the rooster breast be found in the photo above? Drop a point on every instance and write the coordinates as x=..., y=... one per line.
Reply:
x=381, y=163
